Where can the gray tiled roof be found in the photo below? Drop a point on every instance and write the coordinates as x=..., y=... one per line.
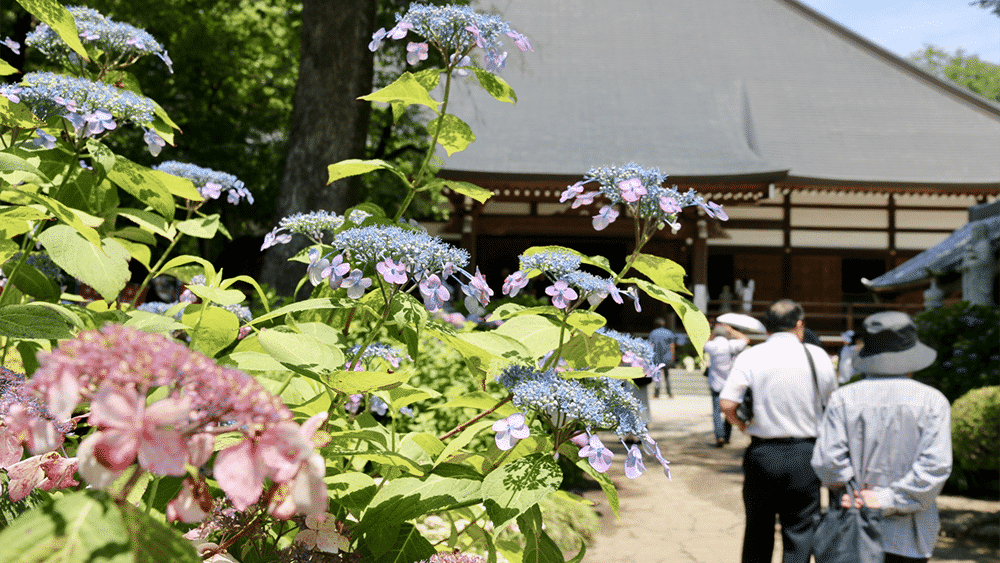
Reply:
x=719, y=88
x=946, y=257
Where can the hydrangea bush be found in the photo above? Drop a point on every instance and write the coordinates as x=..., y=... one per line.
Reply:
x=195, y=430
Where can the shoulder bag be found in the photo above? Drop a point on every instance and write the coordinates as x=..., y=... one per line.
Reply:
x=744, y=411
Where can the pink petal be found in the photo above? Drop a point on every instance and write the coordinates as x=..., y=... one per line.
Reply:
x=240, y=473
x=115, y=407
x=11, y=450
x=200, y=448
x=116, y=449
x=63, y=397
x=44, y=437
x=59, y=472
x=24, y=476
x=186, y=507
x=90, y=469
x=309, y=489
x=163, y=452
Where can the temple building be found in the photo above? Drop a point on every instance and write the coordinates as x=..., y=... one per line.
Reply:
x=835, y=159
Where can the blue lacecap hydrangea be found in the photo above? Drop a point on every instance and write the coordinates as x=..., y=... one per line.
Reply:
x=210, y=183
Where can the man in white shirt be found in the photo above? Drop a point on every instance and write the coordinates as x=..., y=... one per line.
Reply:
x=789, y=392
x=721, y=350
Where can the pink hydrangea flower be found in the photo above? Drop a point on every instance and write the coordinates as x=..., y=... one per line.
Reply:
x=509, y=430
x=632, y=189
x=562, y=294
x=597, y=455
x=634, y=466
x=514, y=283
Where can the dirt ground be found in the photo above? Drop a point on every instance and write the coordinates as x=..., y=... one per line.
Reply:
x=698, y=516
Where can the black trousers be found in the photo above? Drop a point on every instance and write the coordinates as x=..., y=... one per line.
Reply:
x=778, y=480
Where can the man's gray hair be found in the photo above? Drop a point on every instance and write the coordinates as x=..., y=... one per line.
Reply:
x=783, y=315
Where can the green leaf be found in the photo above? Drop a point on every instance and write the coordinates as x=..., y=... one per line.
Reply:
x=200, y=227
x=139, y=252
x=454, y=135
x=619, y=372
x=307, y=305
x=429, y=78
x=695, y=323
x=355, y=167
x=539, y=547
x=143, y=184
x=60, y=20
x=8, y=248
x=586, y=322
x=153, y=323
x=539, y=334
x=500, y=346
x=411, y=317
x=663, y=272
x=406, y=89
x=224, y=297
x=134, y=234
x=255, y=361
x=595, y=351
x=514, y=487
x=598, y=261
x=10, y=162
x=105, y=269
x=101, y=155
x=496, y=86
x=7, y=70
x=465, y=188
x=406, y=498
x=404, y=395
x=353, y=490
x=180, y=187
x=353, y=382
x=149, y=221
x=409, y=546
x=76, y=219
x=33, y=282
x=462, y=439
x=87, y=526
x=572, y=452
x=17, y=115
x=212, y=328
x=297, y=349
x=32, y=321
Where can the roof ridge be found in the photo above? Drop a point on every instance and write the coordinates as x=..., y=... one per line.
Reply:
x=986, y=105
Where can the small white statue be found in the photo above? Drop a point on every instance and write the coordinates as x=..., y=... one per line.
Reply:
x=746, y=294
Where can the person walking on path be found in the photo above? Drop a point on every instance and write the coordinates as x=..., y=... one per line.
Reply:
x=664, y=343
x=788, y=402
x=892, y=435
x=721, y=350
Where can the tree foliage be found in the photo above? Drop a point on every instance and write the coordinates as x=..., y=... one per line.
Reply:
x=963, y=69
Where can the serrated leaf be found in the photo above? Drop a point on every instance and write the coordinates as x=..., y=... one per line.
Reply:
x=76, y=219
x=456, y=444
x=514, y=487
x=149, y=221
x=60, y=20
x=300, y=350
x=32, y=321
x=9, y=162
x=17, y=115
x=353, y=382
x=595, y=351
x=87, y=526
x=429, y=78
x=465, y=188
x=139, y=252
x=6, y=69
x=453, y=134
x=153, y=323
x=405, y=89
x=105, y=269
x=224, y=297
x=32, y=282
x=538, y=334
x=586, y=322
x=211, y=328
x=143, y=184
x=356, y=167
x=663, y=272
x=695, y=323
x=180, y=187
x=406, y=498
x=496, y=86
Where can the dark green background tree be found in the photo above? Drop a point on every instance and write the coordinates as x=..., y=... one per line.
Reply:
x=962, y=68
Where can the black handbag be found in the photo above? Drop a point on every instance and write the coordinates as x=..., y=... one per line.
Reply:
x=744, y=411
x=848, y=535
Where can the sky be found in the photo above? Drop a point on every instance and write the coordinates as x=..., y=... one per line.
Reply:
x=904, y=26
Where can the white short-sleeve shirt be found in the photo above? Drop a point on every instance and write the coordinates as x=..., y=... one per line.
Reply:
x=721, y=351
x=785, y=402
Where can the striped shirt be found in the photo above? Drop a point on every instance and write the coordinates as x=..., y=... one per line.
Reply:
x=893, y=435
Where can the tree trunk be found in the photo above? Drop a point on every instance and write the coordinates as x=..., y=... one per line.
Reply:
x=329, y=123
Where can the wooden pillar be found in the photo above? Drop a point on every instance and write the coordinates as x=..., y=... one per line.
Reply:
x=470, y=229
x=699, y=266
x=891, y=211
x=786, y=245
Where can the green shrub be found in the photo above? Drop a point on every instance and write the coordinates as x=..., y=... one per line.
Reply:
x=975, y=437
x=965, y=337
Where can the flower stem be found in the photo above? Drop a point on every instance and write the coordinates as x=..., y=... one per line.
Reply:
x=477, y=418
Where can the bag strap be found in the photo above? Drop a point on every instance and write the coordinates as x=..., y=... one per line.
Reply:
x=812, y=368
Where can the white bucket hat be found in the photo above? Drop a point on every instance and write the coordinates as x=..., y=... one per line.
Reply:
x=891, y=346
